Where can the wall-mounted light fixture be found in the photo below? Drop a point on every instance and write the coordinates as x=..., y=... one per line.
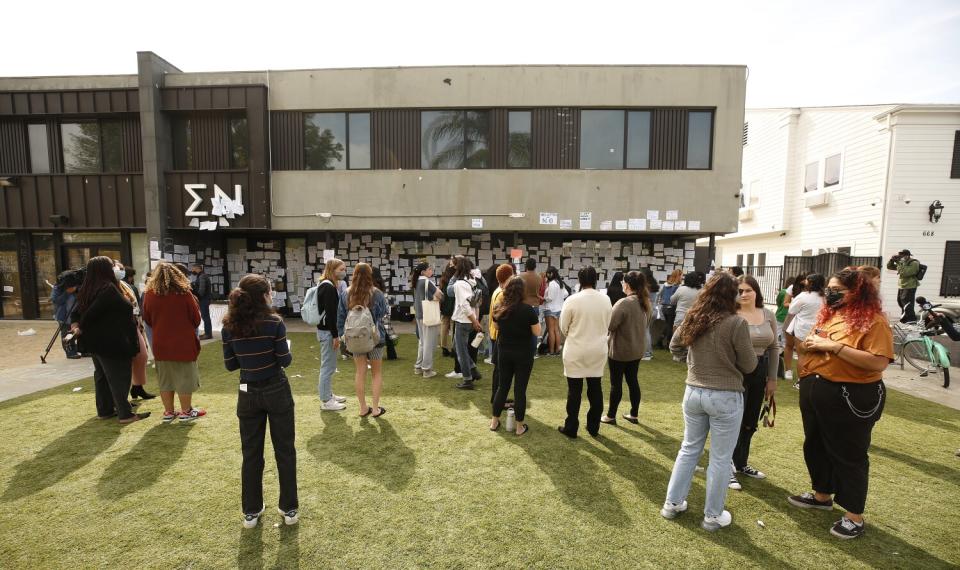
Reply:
x=936, y=210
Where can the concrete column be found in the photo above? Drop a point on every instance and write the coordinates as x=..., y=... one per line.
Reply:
x=155, y=135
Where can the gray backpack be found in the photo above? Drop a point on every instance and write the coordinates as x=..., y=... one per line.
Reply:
x=360, y=332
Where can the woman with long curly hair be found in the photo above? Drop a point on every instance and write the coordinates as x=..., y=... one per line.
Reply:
x=105, y=326
x=719, y=353
x=171, y=310
x=362, y=293
x=842, y=396
x=517, y=324
x=255, y=343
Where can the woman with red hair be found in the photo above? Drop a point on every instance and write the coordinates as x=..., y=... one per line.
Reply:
x=842, y=396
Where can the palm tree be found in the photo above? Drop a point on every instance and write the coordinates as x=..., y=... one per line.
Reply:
x=455, y=139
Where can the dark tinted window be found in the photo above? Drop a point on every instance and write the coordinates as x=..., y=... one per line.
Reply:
x=831, y=171
x=111, y=133
x=39, y=156
x=239, y=143
x=359, y=135
x=81, y=147
x=518, y=146
x=182, y=135
x=601, y=139
x=454, y=139
x=325, y=140
x=699, y=139
x=638, y=139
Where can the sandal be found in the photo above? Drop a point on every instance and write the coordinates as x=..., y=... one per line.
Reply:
x=367, y=413
x=496, y=428
x=382, y=411
x=526, y=428
x=631, y=419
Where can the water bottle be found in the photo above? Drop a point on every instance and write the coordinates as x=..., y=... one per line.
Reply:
x=511, y=420
x=477, y=340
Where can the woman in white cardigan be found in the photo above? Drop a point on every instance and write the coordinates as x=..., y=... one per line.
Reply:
x=584, y=322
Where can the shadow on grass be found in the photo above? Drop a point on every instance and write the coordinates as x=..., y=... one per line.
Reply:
x=920, y=411
x=376, y=454
x=61, y=457
x=937, y=470
x=574, y=473
x=288, y=553
x=877, y=548
x=157, y=451
x=250, y=548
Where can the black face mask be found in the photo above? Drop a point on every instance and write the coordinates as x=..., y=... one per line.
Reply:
x=834, y=298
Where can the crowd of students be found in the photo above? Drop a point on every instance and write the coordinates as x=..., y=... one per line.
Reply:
x=719, y=326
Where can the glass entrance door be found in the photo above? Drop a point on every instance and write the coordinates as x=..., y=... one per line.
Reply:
x=77, y=256
x=11, y=301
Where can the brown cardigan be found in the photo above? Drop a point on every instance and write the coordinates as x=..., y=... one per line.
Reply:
x=720, y=357
x=628, y=329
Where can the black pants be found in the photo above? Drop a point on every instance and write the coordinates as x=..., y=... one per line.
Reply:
x=111, y=383
x=268, y=399
x=836, y=440
x=205, y=315
x=619, y=369
x=473, y=351
x=513, y=365
x=69, y=346
x=574, y=394
x=669, y=318
x=495, y=375
x=905, y=298
x=754, y=389
x=391, y=349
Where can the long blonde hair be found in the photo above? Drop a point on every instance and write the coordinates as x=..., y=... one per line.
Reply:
x=330, y=270
x=675, y=277
x=167, y=279
x=361, y=286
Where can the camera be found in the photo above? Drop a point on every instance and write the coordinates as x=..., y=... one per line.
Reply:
x=71, y=278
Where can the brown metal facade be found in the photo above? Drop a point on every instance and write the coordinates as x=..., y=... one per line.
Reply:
x=13, y=146
x=89, y=201
x=556, y=137
x=395, y=139
x=286, y=139
x=499, y=139
x=668, y=139
x=80, y=102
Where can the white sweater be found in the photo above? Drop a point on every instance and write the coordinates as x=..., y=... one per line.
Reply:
x=584, y=322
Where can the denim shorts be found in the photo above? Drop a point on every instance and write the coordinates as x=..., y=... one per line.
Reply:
x=554, y=314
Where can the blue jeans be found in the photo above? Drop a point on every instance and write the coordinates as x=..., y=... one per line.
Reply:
x=328, y=364
x=205, y=315
x=717, y=412
x=461, y=342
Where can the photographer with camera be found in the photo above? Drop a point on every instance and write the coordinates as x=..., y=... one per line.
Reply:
x=64, y=299
x=908, y=270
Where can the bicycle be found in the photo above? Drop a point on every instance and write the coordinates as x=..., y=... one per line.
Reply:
x=918, y=348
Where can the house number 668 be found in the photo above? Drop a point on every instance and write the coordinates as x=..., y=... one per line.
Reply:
x=928, y=233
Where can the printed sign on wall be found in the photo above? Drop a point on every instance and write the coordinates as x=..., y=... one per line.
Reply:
x=222, y=207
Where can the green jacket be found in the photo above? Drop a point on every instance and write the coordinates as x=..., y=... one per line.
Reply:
x=907, y=271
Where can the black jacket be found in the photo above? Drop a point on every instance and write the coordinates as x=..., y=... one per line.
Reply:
x=201, y=287
x=328, y=301
x=107, y=327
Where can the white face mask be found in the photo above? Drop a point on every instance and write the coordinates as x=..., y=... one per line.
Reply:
x=119, y=273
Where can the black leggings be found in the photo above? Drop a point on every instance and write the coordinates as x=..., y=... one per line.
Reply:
x=619, y=369
x=513, y=365
x=574, y=395
x=754, y=390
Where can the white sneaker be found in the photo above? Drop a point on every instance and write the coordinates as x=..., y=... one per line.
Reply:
x=453, y=374
x=340, y=399
x=671, y=510
x=290, y=517
x=417, y=371
x=488, y=361
x=647, y=358
x=718, y=522
x=332, y=405
x=250, y=521
x=429, y=373
x=734, y=484
x=788, y=375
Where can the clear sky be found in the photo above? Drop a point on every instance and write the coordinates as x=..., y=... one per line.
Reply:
x=801, y=53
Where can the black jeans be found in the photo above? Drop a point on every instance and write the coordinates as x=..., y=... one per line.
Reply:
x=495, y=375
x=619, y=369
x=669, y=318
x=836, y=440
x=69, y=346
x=574, y=394
x=205, y=315
x=754, y=389
x=513, y=365
x=267, y=399
x=905, y=298
x=111, y=383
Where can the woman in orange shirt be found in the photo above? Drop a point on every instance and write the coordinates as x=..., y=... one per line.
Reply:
x=842, y=396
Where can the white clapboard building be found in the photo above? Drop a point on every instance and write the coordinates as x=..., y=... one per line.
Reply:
x=864, y=180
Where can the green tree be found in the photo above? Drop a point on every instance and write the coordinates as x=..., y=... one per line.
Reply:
x=456, y=139
x=81, y=147
x=323, y=151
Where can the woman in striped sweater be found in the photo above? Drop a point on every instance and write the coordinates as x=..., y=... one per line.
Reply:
x=255, y=343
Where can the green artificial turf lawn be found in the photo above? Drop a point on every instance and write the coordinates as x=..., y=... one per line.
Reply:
x=430, y=486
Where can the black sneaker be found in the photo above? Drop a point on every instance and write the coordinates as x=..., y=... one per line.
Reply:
x=809, y=501
x=846, y=529
x=466, y=385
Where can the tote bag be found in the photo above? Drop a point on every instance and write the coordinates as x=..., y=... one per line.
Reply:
x=431, y=313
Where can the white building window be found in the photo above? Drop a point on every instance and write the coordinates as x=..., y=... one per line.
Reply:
x=831, y=171
x=811, y=174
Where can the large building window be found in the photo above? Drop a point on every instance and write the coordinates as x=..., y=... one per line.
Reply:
x=831, y=171
x=638, y=139
x=336, y=141
x=111, y=138
x=358, y=135
x=601, y=139
x=39, y=155
x=519, y=144
x=699, y=140
x=81, y=147
x=454, y=139
x=239, y=143
x=810, y=176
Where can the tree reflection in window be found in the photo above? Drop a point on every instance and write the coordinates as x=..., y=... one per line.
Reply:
x=518, y=146
x=324, y=135
x=81, y=147
x=454, y=139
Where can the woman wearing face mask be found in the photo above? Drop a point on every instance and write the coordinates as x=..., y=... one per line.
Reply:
x=139, y=370
x=842, y=396
x=328, y=300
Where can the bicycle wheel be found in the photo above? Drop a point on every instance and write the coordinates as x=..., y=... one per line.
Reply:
x=916, y=353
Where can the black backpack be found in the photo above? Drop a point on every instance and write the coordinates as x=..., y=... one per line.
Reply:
x=921, y=272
